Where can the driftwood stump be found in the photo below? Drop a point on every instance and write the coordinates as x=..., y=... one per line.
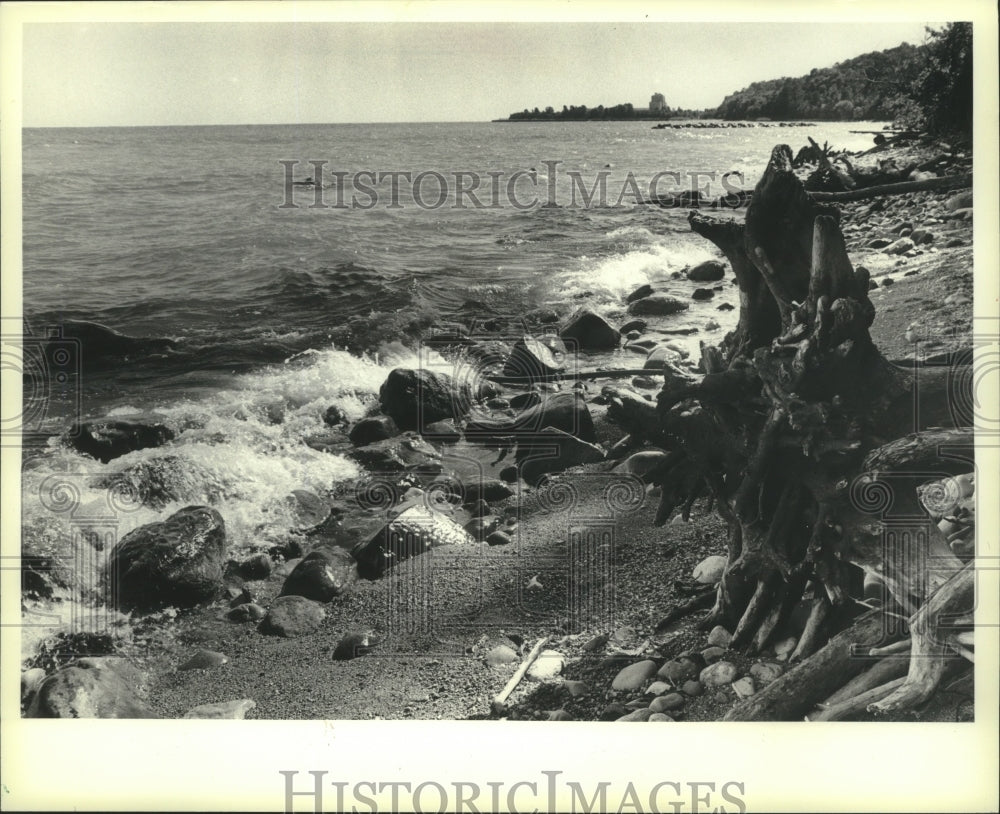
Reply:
x=811, y=445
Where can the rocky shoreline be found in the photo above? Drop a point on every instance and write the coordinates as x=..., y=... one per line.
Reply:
x=504, y=506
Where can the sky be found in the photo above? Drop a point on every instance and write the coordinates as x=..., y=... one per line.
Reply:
x=107, y=74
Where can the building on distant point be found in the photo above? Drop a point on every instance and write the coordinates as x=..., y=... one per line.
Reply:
x=657, y=104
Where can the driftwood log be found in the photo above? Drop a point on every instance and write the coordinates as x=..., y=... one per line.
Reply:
x=811, y=445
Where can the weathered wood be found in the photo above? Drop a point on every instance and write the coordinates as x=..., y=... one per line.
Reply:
x=857, y=704
x=791, y=696
x=881, y=672
x=938, y=184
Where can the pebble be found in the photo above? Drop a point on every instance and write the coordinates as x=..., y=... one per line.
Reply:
x=904, y=244
x=634, y=676
x=718, y=674
x=558, y=715
x=720, y=637
x=547, y=666
x=224, y=710
x=500, y=655
x=766, y=671
x=636, y=715
x=784, y=648
x=658, y=717
x=666, y=703
x=597, y=643
x=204, y=660
x=576, y=689
x=744, y=687
x=692, y=688
x=612, y=712
x=878, y=243
x=954, y=242
x=887, y=281
x=657, y=688
x=713, y=654
x=709, y=571
x=712, y=325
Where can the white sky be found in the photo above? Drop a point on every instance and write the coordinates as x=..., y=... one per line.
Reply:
x=95, y=74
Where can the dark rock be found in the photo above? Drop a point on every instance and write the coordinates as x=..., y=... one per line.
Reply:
x=633, y=325
x=565, y=411
x=291, y=549
x=292, y=616
x=91, y=688
x=412, y=532
x=498, y=538
x=724, y=307
x=904, y=244
x=677, y=671
x=308, y=507
x=405, y=451
x=887, y=281
x=106, y=439
x=641, y=292
x=631, y=336
x=351, y=646
x=543, y=316
x=178, y=561
x=480, y=509
x=497, y=403
x=334, y=416
x=590, y=331
x=702, y=294
x=954, y=242
x=963, y=200
x=100, y=346
x=613, y=712
x=692, y=688
x=536, y=358
x=251, y=612
x=489, y=352
x=204, y=660
x=321, y=575
x=569, y=451
x=239, y=596
x=416, y=398
x=634, y=676
x=661, y=358
x=667, y=703
x=707, y=272
x=522, y=401
x=657, y=305
x=645, y=382
x=256, y=567
x=509, y=474
x=878, y=243
x=442, y=432
x=482, y=527
x=372, y=429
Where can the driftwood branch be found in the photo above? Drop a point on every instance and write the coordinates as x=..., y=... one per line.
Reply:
x=944, y=183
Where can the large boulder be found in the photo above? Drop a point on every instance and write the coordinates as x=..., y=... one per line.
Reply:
x=406, y=451
x=91, y=688
x=108, y=438
x=412, y=532
x=553, y=450
x=416, y=398
x=590, y=331
x=657, y=305
x=322, y=575
x=178, y=561
x=372, y=429
x=536, y=358
x=708, y=272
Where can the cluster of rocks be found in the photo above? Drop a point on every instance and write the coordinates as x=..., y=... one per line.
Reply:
x=712, y=125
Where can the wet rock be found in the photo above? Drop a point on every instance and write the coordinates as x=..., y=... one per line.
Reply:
x=718, y=674
x=568, y=451
x=634, y=676
x=642, y=464
x=204, y=660
x=412, y=532
x=707, y=272
x=887, y=281
x=536, y=358
x=292, y=616
x=322, y=575
x=702, y=294
x=724, y=307
x=489, y=352
x=657, y=305
x=764, y=672
x=712, y=325
x=353, y=645
x=480, y=508
x=250, y=612
x=107, y=439
x=547, y=666
x=500, y=655
x=372, y=429
x=509, y=474
x=589, y=331
x=719, y=636
x=442, y=432
x=522, y=401
x=667, y=703
x=566, y=411
x=416, y=398
x=91, y=688
x=489, y=489
x=878, y=243
x=405, y=451
x=641, y=292
x=223, y=710
x=709, y=571
x=101, y=346
x=334, y=416
x=633, y=325
x=744, y=687
x=482, y=527
x=661, y=358
x=256, y=567
x=178, y=561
